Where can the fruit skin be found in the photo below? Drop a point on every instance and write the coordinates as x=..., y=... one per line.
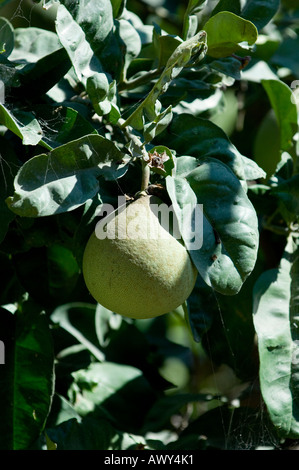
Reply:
x=134, y=275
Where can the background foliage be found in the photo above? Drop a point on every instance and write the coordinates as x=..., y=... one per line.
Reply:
x=89, y=88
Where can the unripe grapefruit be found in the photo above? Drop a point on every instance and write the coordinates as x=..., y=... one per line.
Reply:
x=138, y=269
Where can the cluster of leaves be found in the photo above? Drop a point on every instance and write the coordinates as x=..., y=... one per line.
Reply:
x=86, y=101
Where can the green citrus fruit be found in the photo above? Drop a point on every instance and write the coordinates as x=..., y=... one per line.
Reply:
x=137, y=268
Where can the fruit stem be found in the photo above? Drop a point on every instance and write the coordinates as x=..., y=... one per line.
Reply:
x=145, y=178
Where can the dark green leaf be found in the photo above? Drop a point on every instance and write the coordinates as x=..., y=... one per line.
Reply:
x=260, y=12
x=118, y=7
x=115, y=389
x=38, y=78
x=92, y=434
x=285, y=110
x=26, y=379
x=201, y=305
x=286, y=55
x=161, y=413
x=61, y=125
x=72, y=318
x=287, y=193
x=8, y=169
x=233, y=6
x=63, y=271
x=6, y=37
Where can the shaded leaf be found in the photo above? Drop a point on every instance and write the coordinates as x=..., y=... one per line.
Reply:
x=121, y=391
x=6, y=37
x=61, y=125
x=26, y=379
x=287, y=193
x=38, y=78
x=9, y=165
x=260, y=12
x=160, y=414
x=233, y=6
x=286, y=112
x=92, y=434
x=72, y=318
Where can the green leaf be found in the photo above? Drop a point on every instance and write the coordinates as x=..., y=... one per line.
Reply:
x=164, y=45
x=165, y=407
x=32, y=44
x=63, y=271
x=23, y=124
x=285, y=110
x=93, y=434
x=118, y=7
x=130, y=40
x=201, y=307
x=61, y=125
x=200, y=138
x=46, y=62
x=65, y=178
x=113, y=389
x=260, y=12
x=26, y=378
x=229, y=226
x=276, y=322
x=38, y=78
x=8, y=163
x=191, y=17
x=90, y=31
x=286, y=55
x=96, y=20
x=6, y=37
x=150, y=108
x=72, y=318
x=287, y=193
x=233, y=6
x=226, y=31
x=73, y=39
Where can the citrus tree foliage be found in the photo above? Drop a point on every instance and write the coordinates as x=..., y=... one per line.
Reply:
x=90, y=91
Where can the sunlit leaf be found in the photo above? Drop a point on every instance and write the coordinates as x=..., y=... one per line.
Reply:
x=65, y=178
x=276, y=323
x=226, y=31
